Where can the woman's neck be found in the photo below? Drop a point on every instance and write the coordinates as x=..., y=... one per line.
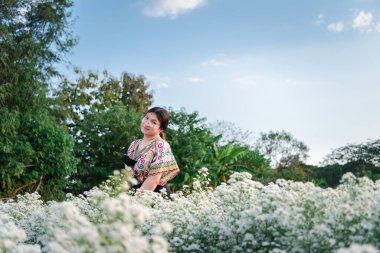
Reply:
x=150, y=138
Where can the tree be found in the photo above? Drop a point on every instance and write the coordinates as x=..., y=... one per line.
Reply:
x=281, y=148
x=230, y=133
x=257, y=164
x=103, y=114
x=35, y=152
x=93, y=92
x=295, y=173
x=34, y=35
x=195, y=146
x=368, y=152
x=102, y=137
x=332, y=173
x=190, y=140
x=135, y=93
x=361, y=159
x=224, y=160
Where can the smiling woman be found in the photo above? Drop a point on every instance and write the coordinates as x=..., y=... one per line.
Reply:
x=150, y=158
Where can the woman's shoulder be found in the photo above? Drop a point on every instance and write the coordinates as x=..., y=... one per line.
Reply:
x=134, y=143
x=161, y=143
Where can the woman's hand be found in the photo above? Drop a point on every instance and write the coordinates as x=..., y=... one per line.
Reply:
x=151, y=182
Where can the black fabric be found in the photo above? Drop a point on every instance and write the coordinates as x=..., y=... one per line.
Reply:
x=129, y=161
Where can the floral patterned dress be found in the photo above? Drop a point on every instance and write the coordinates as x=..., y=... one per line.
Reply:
x=154, y=158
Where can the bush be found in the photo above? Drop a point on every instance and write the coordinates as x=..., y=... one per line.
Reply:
x=241, y=215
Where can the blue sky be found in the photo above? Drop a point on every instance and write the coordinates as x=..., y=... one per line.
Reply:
x=308, y=67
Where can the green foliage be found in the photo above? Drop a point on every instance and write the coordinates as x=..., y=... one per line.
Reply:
x=296, y=173
x=333, y=173
x=191, y=141
x=102, y=138
x=103, y=114
x=134, y=93
x=360, y=159
x=33, y=36
x=223, y=160
x=194, y=146
x=73, y=99
x=35, y=153
x=99, y=116
x=281, y=148
x=257, y=165
x=368, y=152
x=91, y=93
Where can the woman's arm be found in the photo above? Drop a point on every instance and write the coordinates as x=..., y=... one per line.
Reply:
x=151, y=182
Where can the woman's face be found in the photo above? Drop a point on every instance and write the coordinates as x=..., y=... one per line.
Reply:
x=150, y=126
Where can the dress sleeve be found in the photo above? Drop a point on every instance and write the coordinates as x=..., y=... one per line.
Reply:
x=131, y=149
x=163, y=162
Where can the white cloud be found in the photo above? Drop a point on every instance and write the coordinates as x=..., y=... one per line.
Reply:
x=292, y=82
x=171, y=8
x=195, y=80
x=245, y=80
x=214, y=62
x=158, y=82
x=336, y=27
x=362, y=20
x=320, y=19
x=378, y=27
x=265, y=80
x=161, y=85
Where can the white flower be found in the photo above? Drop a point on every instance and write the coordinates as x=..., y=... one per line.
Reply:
x=241, y=215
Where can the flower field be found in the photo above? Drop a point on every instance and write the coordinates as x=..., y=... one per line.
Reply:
x=240, y=216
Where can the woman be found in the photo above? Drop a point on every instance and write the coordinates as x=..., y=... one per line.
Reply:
x=151, y=159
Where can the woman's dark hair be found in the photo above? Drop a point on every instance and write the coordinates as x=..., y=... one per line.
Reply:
x=163, y=118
